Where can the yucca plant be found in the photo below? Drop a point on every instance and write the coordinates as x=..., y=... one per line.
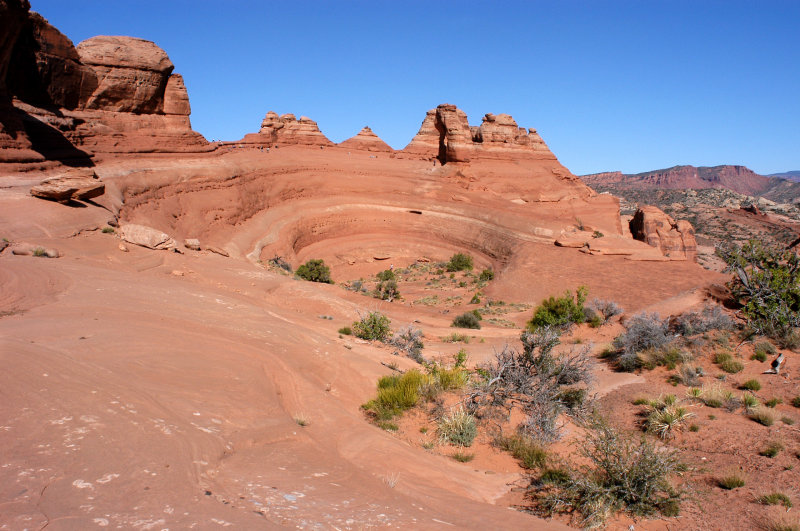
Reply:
x=667, y=421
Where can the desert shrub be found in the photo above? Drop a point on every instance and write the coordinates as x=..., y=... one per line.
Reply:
x=716, y=396
x=709, y=318
x=409, y=340
x=279, y=263
x=643, y=332
x=387, y=290
x=734, y=480
x=385, y=275
x=372, y=326
x=462, y=457
x=315, y=271
x=460, y=262
x=108, y=230
x=530, y=453
x=767, y=281
x=758, y=356
x=458, y=427
x=450, y=378
x=560, y=311
x=772, y=449
x=752, y=385
x=796, y=401
x=39, y=251
x=572, y=398
x=772, y=402
x=626, y=474
x=775, y=498
x=532, y=380
x=727, y=363
x=762, y=416
x=666, y=421
x=475, y=299
x=346, y=331
x=668, y=356
x=397, y=393
x=689, y=376
x=763, y=349
x=486, y=275
x=749, y=402
x=455, y=337
x=466, y=320
x=607, y=309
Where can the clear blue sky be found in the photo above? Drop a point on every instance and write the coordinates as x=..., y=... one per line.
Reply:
x=610, y=85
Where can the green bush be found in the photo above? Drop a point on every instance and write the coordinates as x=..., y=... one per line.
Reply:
x=373, y=326
x=460, y=262
x=39, y=251
x=108, y=230
x=346, y=331
x=752, y=385
x=475, y=299
x=387, y=290
x=386, y=274
x=727, y=363
x=315, y=271
x=466, y=320
x=796, y=401
x=763, y=349
x=486, y=275
x=767, y=281
x=732, y=481
x=560, y=311
x=397, y=393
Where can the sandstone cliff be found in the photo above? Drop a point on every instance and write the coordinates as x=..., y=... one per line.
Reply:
x=108, y=94
x=366, y=140
x=445, y=135
x=737, y=178
x=286, y=129
x=675, y=239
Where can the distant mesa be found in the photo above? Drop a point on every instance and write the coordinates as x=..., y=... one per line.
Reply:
x=366, y=140
x=445, y=135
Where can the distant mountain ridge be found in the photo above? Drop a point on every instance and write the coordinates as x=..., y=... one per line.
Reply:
x=793, y=175
x=739, y=179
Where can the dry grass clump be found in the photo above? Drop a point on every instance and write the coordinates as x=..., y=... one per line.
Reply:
x=716, y=396
x=780, y=521
x=643, y=332
x=752, y=385
x=458, y=428
x=775, y=498
x=763, y=417
x=772, y=449
x=455, y=337
x=531, y=454
x=734, y=480
x=668, y=356
x=749, y=402
x=709, y=318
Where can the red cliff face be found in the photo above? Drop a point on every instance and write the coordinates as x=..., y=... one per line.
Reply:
x=108, y=94
x=737, y=178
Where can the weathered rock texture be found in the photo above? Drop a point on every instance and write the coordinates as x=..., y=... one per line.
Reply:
x=74, y=185
x=675, y=239
x=108, y=94
x=287, y=130
x=147, y=237
x=366, y=140
x=445, y=134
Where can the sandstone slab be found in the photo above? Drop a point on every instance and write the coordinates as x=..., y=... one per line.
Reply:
x=147, y=237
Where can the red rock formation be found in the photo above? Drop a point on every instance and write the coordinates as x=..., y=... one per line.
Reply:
x=675, y=239
x=285, y=129
x=366, y=140
x=110, y=94
x=76, y=184
x=446, y=135
x=737, y=178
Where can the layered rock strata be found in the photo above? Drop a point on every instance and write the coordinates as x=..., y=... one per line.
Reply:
x=366, y=140
x=445, y=135
x=287, y=130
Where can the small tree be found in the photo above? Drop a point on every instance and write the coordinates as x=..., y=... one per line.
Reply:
x=560, y=311
x=460, y=262
x=466, y=320
x=315, y=271
x=373, y=326
x=387, y=290
x=766, y=280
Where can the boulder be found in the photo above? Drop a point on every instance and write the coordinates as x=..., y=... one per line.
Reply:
x=217, y=250
x=147, y=237
x=74, y=185
x=192, y=243
x=674, y=239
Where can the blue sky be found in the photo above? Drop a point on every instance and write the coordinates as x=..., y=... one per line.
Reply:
x=610, y=85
